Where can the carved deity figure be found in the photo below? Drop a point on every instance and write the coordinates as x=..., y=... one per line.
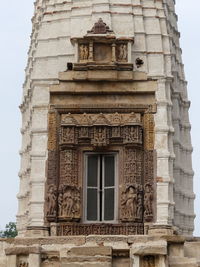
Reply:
x=123, y=52
x=68, y=203
x=84, y=52
x=60, y=204
x=148, y=200
x=129, y=203
x=51, y=201
x=100, y=137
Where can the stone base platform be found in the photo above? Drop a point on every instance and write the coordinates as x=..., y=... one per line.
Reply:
x=107, y=251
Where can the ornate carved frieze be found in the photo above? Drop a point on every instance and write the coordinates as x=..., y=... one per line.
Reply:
x=100, y=229
x=101, y=129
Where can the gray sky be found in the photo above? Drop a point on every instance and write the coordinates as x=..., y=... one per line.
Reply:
x=15, y=29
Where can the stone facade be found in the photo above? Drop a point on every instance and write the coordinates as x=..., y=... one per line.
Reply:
x=116, y=251
x=104, y=78
x=58, y=29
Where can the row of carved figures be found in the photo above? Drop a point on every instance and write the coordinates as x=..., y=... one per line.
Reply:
x=68, y=201
x=84, y=52
x=132, y=202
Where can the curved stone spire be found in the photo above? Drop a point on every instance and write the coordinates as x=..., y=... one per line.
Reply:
x=153, y=24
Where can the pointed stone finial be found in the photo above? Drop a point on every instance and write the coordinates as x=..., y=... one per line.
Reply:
x=100, y=27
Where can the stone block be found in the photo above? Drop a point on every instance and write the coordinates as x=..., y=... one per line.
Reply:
x=158, y=247
x=90, y=251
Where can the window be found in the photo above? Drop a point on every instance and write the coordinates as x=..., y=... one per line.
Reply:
x=100, y=188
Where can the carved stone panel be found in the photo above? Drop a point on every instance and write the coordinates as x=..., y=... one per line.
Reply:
x=69, y=202
x=68, y=167
x=103, y=131
x=149, y=186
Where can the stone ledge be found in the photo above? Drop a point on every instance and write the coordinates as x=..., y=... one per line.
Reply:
x=150, y=248
x=22, y=251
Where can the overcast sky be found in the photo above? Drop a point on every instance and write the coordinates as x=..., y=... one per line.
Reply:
x=15, y=29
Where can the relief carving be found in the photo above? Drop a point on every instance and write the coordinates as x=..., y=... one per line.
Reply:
x=69, y=166
x=100, y=137
x=132, y=203
x=83, y=52
x=122, y=52
x=129, y=203
x=148, y=131
x=51, y=200
x=69, y=202
x=68, y=135
x=52, y=131
x=132, y=134
x=148, y=202
x=133, y=161
x=100, y=229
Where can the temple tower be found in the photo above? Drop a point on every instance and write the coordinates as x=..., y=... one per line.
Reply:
x=106, y=143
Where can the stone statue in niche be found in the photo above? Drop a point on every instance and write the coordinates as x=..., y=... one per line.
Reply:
x=148, y=201
x=23, y=264
x=83, y=52
x=122, y=52
x=129, y=203
x=51, y=201
x=69, y=202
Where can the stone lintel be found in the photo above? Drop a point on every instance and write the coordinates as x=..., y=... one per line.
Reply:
x=22, y=250
x=90, y=251
x=99, y=75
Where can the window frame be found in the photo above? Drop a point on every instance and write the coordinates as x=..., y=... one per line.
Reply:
x=85, y=187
